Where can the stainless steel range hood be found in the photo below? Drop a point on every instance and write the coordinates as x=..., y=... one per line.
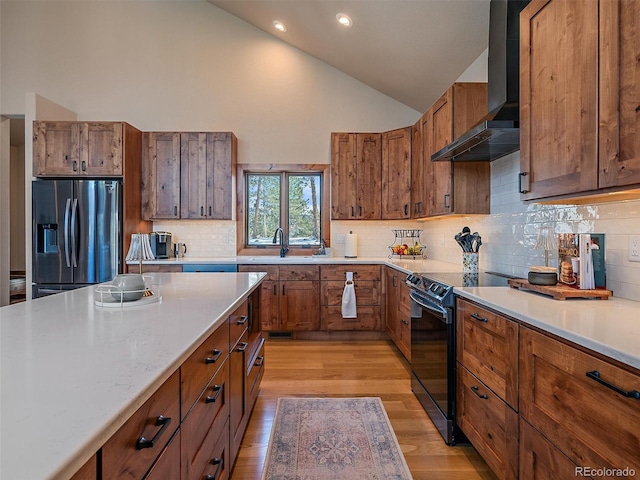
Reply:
x=498, y=134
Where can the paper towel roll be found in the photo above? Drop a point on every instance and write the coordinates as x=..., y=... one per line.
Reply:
x=351, y=245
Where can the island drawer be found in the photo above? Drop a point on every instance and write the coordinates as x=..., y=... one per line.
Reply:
x=238, y=323
x=198, y=369
x=215, y=465
x=360, y=272
x=367, y=292
x=131, y=451
x=585, y=405
x=205, y=421
x=487, y=344
x=489, y=423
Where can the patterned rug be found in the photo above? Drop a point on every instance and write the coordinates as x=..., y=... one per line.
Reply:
x=333, y=438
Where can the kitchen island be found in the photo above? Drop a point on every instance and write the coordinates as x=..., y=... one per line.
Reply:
x=72, y=373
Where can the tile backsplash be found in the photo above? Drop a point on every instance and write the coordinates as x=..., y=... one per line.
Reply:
x=508, y=234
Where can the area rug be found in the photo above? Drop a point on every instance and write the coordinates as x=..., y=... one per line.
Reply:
x=333, y=438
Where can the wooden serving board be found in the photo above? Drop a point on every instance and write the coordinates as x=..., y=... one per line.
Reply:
x=560, y=292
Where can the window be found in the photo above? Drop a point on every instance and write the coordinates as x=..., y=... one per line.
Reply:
x=294, y=200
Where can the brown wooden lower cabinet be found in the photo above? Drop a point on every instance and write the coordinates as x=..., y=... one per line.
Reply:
x=489, y=423
x=152, y=268
x=217, y=390
x=539, y=459
x=577, y=400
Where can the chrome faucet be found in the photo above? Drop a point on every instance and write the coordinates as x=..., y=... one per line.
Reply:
x=323, y=246
x=283, y=246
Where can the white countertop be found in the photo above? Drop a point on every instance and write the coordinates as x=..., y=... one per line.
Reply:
x=610, y=327
x=72, y=373
x=405, y=264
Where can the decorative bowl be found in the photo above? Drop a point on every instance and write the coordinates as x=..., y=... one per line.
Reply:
x=543, y=278
x=128, y=287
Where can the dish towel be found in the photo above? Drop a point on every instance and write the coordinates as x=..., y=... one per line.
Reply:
x=349, y=298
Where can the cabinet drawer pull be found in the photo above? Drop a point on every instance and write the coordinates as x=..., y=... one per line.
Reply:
x=243, y=320
x=242, y=346
x=275, y=291
x=218, y=462
x=259, y=362
x=216, y=355
x=201, y=211
x=175, y=210
x=406, y=209
x=353, y=213
x=475, y=390
x=595, y=375
x=479, y=318
x=404, y=322
x=84, y=166
x=520, y=176
x=209, y=210
x=74, y=166
x=162, y=422
x=447, y=200
x=360, y=210
x=638, y=108
x=218, y=390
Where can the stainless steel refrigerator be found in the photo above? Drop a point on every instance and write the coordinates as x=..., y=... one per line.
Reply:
x=77, y=234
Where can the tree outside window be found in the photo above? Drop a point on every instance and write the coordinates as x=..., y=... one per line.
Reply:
x=272, y=197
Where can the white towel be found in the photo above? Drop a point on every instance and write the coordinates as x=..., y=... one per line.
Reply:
x=349, y=298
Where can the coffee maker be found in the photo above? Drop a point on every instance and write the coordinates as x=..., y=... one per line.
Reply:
x=160, y=244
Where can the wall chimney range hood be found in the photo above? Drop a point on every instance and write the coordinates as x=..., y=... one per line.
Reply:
x=498, y=134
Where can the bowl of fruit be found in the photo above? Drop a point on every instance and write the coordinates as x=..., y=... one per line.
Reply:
x=405, y=249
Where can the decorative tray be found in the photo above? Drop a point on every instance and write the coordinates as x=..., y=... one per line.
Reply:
x=102, y=297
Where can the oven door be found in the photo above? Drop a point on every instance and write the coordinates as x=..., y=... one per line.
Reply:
x=433, y=362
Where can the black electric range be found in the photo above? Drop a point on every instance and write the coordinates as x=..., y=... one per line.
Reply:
x=433, y=343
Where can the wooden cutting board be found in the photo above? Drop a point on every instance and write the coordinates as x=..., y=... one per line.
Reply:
x=560, y=292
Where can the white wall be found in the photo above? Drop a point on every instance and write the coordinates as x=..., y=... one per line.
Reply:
x=185, y=65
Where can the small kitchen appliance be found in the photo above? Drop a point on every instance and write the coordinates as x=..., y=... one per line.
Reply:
x=160, y=244
x=433, y=343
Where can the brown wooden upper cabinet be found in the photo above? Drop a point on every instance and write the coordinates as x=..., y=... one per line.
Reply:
x=579, y=97
x=356, y=176
x=188, y=175
x=455, y=187
x=78, y=148
x=396, y=174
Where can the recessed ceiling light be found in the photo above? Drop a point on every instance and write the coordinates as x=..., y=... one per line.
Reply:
x=279, y=25
x=344, y=19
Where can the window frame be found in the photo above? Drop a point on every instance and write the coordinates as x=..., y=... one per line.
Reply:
x=283, y=169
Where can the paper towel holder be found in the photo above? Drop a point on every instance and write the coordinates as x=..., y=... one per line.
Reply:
x=351, y=245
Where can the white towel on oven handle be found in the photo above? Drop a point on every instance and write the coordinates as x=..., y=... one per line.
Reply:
x=349, y=298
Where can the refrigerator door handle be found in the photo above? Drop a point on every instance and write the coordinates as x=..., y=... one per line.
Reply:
x=74, y=253
x=67, y=211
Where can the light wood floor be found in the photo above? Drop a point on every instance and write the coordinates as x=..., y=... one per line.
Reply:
x=353, y=369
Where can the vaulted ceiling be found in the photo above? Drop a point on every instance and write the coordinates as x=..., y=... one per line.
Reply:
x=410, y=50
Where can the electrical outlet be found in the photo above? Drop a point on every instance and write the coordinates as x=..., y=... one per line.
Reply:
x=340, y=238
x=634, y=248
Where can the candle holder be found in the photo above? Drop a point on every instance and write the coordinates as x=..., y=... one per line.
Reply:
x=546, y=241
